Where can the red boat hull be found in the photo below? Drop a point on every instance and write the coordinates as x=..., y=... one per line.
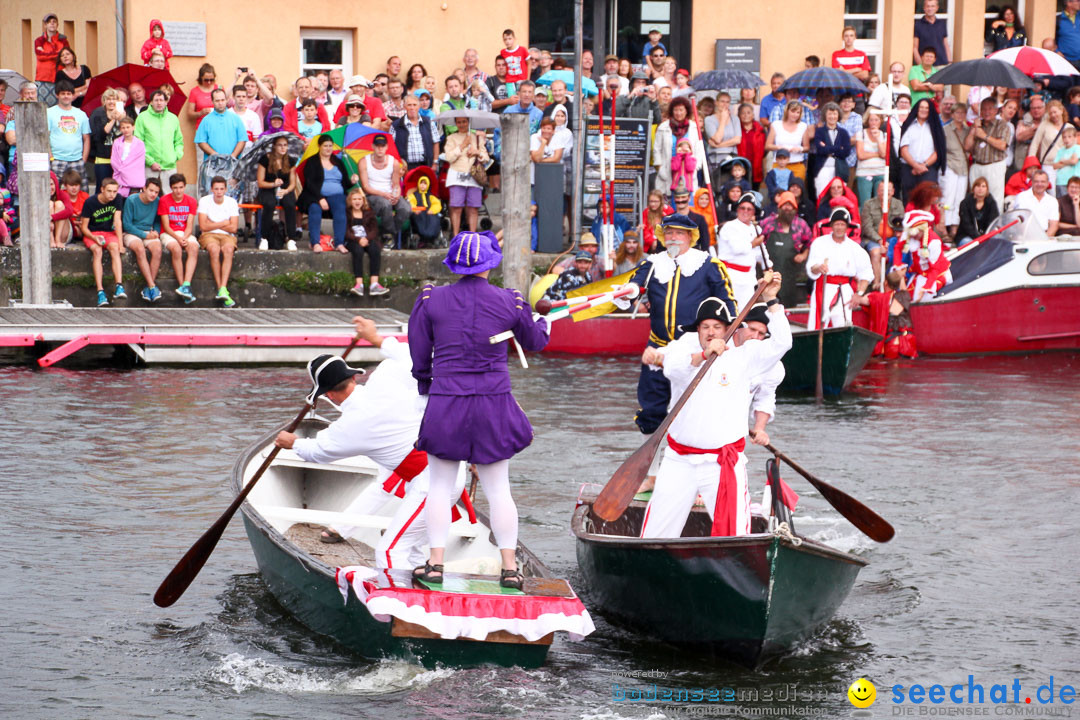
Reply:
x=607, y=335
x=1018, y=320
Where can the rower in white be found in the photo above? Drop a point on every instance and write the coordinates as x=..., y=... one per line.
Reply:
x=706, y=441
x=737, y=247
x=763, y=385
x=841, y=270
x=380, y=420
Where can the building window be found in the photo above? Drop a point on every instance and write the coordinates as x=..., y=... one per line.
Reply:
x=866, y=17
x=326, y=50
x=993, y=9
x=943, y=13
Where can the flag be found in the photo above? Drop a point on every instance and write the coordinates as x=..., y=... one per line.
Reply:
x=600, y=286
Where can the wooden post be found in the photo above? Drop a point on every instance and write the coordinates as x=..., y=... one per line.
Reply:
x=516, y=190
x=579, y=123
x=34, y=204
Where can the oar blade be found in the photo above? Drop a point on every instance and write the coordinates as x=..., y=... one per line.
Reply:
x=613, y=500
x=866, y=520
x=185, y=571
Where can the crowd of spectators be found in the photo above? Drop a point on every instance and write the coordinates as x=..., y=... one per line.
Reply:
x=800, y=155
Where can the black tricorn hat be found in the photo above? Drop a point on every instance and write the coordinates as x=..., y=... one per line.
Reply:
x=711, y=308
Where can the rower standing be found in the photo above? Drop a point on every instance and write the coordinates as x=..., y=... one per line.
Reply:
x=737, y=246
x=711, y=428
x=471, y=415
x=841, y=272
x=763, y=385
x=674, y=283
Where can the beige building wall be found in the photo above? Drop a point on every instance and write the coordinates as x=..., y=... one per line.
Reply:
x=89, y=25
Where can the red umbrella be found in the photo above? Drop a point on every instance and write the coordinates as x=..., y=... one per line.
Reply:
x=1035, y=61
x=126, y=75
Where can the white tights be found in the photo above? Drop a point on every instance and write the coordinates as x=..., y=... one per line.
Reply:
x=494, y=479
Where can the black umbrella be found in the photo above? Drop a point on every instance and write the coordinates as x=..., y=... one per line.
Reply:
x=982, y=71
x=726, y=80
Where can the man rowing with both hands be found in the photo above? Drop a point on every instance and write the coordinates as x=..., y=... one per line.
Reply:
x=381, y=420
x=705, y=442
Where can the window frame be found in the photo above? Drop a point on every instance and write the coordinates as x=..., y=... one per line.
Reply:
x=346, y=38
x=874, y=48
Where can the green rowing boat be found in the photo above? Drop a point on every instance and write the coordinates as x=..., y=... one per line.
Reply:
x=845, y=352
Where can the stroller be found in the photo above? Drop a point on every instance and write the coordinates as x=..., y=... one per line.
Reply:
x=422, y=191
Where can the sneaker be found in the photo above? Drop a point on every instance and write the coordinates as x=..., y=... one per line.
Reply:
x=184, y=291
x=147, y=294
x=229, y=302
x=222, y=294
x=119, y=293
x=377, y=289
x=358, y=289
x=102, y=298
x=264, y=244
x=155, y=294
x=291, y=245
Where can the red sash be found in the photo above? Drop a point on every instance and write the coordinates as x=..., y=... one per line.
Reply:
x=733, y=266
x=727, y=456
x=819, y=293
x=414, y=464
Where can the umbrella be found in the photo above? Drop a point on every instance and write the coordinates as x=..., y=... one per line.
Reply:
x=1035, y=61
x=248, y=168
x=981, y=71
x=726, y=80
x=478, y=119
x=352, y=141
x=821, y=77
x=126, y=75
x=13, y=80
x=567, y=76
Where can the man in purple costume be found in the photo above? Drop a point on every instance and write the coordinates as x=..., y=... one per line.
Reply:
x=471, y=415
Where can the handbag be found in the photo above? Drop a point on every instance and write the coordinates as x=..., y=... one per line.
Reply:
x=478, y=171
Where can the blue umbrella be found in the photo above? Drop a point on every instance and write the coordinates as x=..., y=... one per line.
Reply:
x=567, y=76
x=726, y=80
x=816, y=78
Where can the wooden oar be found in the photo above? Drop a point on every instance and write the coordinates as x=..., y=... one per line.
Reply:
x=621, y=488
x=862, y=517
x=181, y=576
x=819, y=387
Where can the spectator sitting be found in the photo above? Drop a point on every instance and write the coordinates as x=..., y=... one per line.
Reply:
x=977, y=211
x=142, y=234
x=655, y=211
x=358, y=85
x=416, y=137
x=156, y=41
x=276, y=180
x=630, y=254
x=380, y=178
x=571, y=278
x=60, y=211
x=361, y=238
x=128, y=159
x=355, y=112
x=70, y=185
x=464, y=149
x=1021, y=180
x=304, y=90
x=589, y=245
x=870, y=232
x=1069, y=208
x=838, y=194
x=219, y=218
x=778, y=179
x=1043, y=206
x=160, y=132
x=326, y=183
x=426, y=208
x=69, y=133
x=101, y=228
x=309, y=125
x=177, y=213
x=68, y=68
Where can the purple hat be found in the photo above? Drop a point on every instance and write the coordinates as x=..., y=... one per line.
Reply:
x=473, y=252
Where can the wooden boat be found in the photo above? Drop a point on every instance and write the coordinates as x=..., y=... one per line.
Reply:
x=335, y=590
x=614, y=334
x=845, y=352
x=743, y=598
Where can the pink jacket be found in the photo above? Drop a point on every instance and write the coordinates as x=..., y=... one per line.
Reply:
x=130, y=173
x=683, y=166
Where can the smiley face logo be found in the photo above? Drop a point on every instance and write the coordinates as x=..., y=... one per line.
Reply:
x=862, y=693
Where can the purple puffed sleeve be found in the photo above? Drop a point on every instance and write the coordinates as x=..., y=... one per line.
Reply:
x=421, y=341
x=531, y=335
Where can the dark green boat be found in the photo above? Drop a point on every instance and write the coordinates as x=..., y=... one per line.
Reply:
x=284, y=516
x=845, y=352
x=742, y=598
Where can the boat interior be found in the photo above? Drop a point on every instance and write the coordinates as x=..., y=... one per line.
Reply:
x=698, y=523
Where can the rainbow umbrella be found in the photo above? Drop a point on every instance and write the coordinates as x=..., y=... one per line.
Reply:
x=351, y=142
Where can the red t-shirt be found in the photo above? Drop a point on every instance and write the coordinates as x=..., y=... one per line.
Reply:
x=844, y=60
x=177, y=211
x=77, y=201
x=517, y=64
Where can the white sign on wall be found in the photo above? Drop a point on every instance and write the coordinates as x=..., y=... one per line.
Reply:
x=186, y=38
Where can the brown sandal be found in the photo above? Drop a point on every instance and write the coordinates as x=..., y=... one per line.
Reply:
x=424, y=572
x=329, y=536
x=512, y=579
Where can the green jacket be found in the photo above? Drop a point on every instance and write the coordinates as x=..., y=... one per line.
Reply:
x=160, y=132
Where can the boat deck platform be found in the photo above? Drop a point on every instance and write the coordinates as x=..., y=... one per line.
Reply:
x=188, y=336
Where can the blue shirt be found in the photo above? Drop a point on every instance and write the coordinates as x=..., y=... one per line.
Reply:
x=139, y=217
x=647, y=50
x=768, y=103
x=66, y=130
x=331, y=184
x=1067, y=34
x=221, y=131
x=535, y=115
x=932, y=36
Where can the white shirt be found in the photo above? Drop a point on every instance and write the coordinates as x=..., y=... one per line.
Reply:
x=1043, y=211
x=884, y=96
x=718, y=411
x=763, y=389
x=218, y=213
x=252, y=123
x=733, y=244
x=845, y=258
x=918, y=140
x=549, y=151
x=380, y=419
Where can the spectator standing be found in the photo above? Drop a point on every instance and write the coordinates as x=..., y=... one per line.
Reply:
x=775, y=98
x=542, y=149
x=69, y=134
x=102, y=228
x=219, y=218
x=276, y=180
x=463, y=150
x=792, y=134
x=787, y=239
x=559, y=98
x=723, y=134
x=361, y=238
x=252, y=122
x=611, y=70
x=128, y=159
x=177, y=213
x=415, y=77
x=455, y=99
x=221, y=134
x=955, y=182
x=1006, y=31
x=886, y=95
x=68, y=68
x=1008, y=113
x=1067, y=32
x=526, y=106
x=1025, y=129
x=931, y=32
x=853, y=123
x=1047, y=139
x=138, y=100
x=517, y=57
x=502, y=91
x=337, y=92
x=47, y=49
x=104, y=129
x=830, y=148
x=752, y=143
x=200, y=98
x=987, y=142
x=304, y=90
x=160, y=132
x=416, y=137
x=922, y=146
x=308, y=124
x=380, y=179
x=655, y=210
x=395, y=104
x=142, y=235
x=1065, y=161
x=470, y=59
x=359, y=85
x=920, y=88
x=156, y=41
x=849, y=59
x=654, y=68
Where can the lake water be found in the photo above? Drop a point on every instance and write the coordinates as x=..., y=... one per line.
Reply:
x=108, y=477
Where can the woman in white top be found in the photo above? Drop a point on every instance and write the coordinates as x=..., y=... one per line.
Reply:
x=791, y=134
x=871, y=150
x=1047, y=140
x=463, y=150
x=668, y=77
x=563, y=139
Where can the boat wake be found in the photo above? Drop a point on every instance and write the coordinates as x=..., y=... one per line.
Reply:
x=245, y=673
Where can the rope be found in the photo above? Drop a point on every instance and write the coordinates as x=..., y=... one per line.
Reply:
x=783, y=530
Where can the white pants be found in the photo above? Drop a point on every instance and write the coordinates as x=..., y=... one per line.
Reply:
x=494, y=479
x=954, y=190
x=825, y=176
x=743, y=285
x=929, y=293
x=838, y=315
x=402, y=542
x=995, y=179
x=680, y=480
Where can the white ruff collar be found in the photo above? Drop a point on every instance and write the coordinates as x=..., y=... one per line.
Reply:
x=689, y=263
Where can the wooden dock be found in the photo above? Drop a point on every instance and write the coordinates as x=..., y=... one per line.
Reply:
x=191, y=336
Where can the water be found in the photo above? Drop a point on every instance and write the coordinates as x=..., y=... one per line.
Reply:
x=109, y=476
